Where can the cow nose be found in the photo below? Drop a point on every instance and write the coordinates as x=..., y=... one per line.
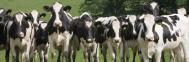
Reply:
x=35, y=24
x=149, y=38
x=89, y=40
x=58, y=23
x=21, y=34
x=117, y=40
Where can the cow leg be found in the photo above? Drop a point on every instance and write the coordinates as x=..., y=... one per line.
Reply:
x=135, y=50
x=163, y=58
x=140, y=55
x=59, y=55
x=158, y=55
x=122, y=52
x=17, y=55
x=41, y=52
x=112, y=52
x=26, y=52
x=95, y=54
x=104, y=52
x=46, y=53
x=145, y=57
x=7, y=52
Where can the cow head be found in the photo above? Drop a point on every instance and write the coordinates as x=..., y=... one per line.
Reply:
x=20, y=24
x=152, y=8
x=58, y=14
x=148, y=23
x=35, y=17
x=114, y=31
x=129, y=24
x=4, y=14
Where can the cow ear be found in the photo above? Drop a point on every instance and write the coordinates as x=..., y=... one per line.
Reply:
x=28, y=16
x=67, y=8
x=47, y=8
x=8, y=11
x=42, y=15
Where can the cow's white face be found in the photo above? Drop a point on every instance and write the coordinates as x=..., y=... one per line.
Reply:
x=19, y=18
x=57, y=8
x=153, y=5
x=116, y=28
x=149, y=23
x=34, y=15
x=132, y=19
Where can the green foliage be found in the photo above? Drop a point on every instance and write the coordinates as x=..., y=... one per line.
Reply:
x=121, y=7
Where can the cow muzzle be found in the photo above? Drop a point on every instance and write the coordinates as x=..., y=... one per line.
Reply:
x=117, y=40
x=89, y=40
x=57, y=24
x=21, y=34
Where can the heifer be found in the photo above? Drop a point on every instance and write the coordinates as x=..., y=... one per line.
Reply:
x=5, y=24
x=108, y=35
x=129, y=33
x=42, y=44
x=59, y=30
x=21, y=33
x=156, y=35
x=83, y=28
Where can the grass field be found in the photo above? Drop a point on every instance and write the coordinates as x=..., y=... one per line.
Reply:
x=28, y=5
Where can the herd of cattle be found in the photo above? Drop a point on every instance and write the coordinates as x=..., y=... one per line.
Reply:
x=148, y=35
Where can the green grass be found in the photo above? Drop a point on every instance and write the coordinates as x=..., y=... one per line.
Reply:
x=29, y=5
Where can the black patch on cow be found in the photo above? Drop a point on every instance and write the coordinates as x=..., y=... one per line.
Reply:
x=175, y=18
x=166, y=33
x=41, y=36
x=100, y=32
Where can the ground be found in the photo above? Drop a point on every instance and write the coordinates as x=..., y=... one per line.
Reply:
x=28, y=5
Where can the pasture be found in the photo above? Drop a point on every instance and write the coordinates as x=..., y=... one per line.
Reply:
x=28, y=5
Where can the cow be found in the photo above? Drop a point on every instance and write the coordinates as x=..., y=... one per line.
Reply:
x=129, y=34
x=21, y=33
x=157, y=34
x=83, y=29
x=42, y=45
x=59, y=30
x=5, y=23
x=35, y=16
x=107, y=34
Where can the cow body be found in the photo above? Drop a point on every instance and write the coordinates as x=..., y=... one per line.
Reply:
x=108, y=35
x=59, y=30
x=156, y=36
x=129, y=34
x=21, y=35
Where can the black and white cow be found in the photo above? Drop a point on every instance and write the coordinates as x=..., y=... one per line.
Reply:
x=152, y=8
x=35, y=17
x=108, y=35
x=129, y=33
x=59, y=30
x=21, y=34
x=157, y=34
x=83, y=28
x=5, y=24
x=42, y=44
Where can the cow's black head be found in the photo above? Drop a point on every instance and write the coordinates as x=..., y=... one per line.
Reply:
x=4, y=15
x=20, y=24
x=42, y=34
x=152, y=8
x=84, y=26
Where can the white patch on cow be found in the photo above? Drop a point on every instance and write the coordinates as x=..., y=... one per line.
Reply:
x=116, y=27
x=19, y=18
x=1, y=11
x=88, y=23
x=149, y=22
x=34, y=14
x=86, y=13
x=43, y=25
x=132, y=19
x=57, y=7
x=153, y=5
x=181, y=11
